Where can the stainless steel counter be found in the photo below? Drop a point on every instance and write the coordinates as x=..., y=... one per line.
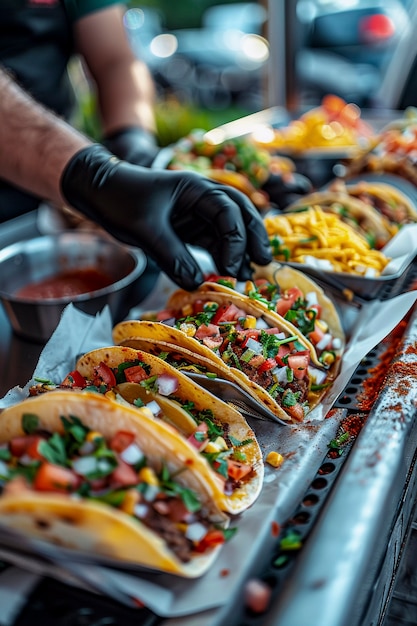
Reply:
x=346, y=571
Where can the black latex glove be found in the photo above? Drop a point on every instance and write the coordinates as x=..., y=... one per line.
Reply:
x=285, y=189
x=159, y=210
x=132, y=144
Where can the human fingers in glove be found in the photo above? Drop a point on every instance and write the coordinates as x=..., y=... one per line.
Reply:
x=283, y=189
x=134, y=145
x=161, y=211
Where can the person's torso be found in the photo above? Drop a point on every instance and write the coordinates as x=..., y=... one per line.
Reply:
x=35, y=45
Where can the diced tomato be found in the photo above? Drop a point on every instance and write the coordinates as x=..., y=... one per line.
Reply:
x=135, y=374
x=55, y=478
x=199, y=442
x=177, y=511
x=219, y=161
x=207, y=330
x=74, y=379
x=283, y=350
x=164, y=315
x=104, y=372
x=316, y=334
x=299, y=363
x=215, y=278
x=257, y=595
x=18, y=446
x=245, y=335
x=296, y=412
x=287, y=300
x=317, y=309
x=237, y=470
x=198, y=306
x=267, y=365
x=212, y=539
x=121, y=440
x=33, y=449
x=123, y=475
x=228, y=313
x=257, y=360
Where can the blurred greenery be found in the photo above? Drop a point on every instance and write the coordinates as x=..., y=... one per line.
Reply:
x=174, y=120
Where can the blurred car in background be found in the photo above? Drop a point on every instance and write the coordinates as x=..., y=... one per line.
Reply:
x=346, y=46
x=342, y=47
x=221, y=63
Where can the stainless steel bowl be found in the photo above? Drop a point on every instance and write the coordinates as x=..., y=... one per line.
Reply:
x=36, y=259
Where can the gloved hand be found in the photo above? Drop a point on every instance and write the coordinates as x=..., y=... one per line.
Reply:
x=286, y=188
x=134, y=145
x=159, y=211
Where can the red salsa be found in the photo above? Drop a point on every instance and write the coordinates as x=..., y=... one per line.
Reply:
x=66, y=284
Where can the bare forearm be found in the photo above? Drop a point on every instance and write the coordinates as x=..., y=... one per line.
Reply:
x=125, y=88
x=35, y=145
x=126, y=97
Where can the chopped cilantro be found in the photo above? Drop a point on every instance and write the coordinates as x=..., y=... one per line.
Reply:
x=30, y=423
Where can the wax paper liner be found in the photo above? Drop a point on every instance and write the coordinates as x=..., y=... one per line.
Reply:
x=303, y=446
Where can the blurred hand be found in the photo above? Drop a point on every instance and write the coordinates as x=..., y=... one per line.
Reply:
x=134, y=145
x=285, y=189
x=160, y=211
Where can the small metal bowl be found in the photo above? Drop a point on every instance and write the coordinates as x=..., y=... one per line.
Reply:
x=34, y=260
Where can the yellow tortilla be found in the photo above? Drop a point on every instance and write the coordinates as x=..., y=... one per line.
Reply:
x=96, y=528
x=245, y=494
x=127, y=331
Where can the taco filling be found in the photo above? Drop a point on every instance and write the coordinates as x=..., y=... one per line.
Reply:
x=303, y=310
x=272, y=358
x=81, y=464
x=134, y=381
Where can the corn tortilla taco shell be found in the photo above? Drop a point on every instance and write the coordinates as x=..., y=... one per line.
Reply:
x=95, y=527
x=239, y=435
x=247, y=377
x=363, y=217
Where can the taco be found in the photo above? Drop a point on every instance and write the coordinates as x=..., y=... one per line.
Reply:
x=216, y=431
x=389, y=201
x=296, y=297
x=360, y=215
x=104, y=479
x=266, y=355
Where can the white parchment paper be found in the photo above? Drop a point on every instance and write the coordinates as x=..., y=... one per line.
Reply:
x=303, y=446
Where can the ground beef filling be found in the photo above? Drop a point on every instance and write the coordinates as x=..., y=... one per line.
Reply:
x=266, y=379
x=170, y=533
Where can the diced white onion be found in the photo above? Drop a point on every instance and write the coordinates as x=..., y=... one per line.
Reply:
x=87, y=448
x=141, y=510
x=261, y=324
x=311, y=298
x=132, y=454
x=324, y=341
x=323, y=264
x=151, y=492
x=196, y=531
x=254, y=345
x=317, y=375
x=167, y=384
x=280, y=374
x=103, y=465
x=4, y=470
x=154, y=407
x=25, y=459
x=336, y=343
x=85, y=465
x=280, y=335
